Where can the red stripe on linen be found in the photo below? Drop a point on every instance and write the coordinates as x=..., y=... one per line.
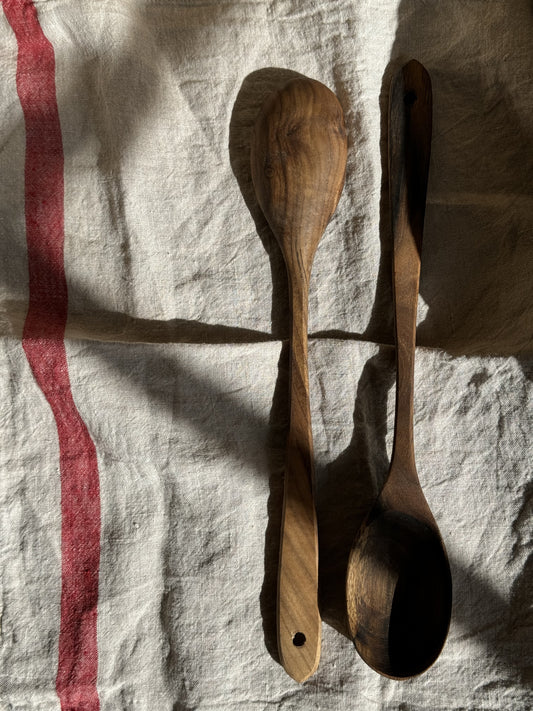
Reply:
x=44, y=346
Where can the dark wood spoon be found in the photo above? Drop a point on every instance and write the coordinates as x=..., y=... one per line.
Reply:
x=398, y=585
x=298, y=162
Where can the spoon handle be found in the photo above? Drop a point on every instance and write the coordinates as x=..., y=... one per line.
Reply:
x=299, y=624
x=409, y=152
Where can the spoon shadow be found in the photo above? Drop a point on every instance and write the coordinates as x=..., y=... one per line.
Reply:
x=348, y=487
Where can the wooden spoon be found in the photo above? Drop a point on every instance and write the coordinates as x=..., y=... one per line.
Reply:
x=398, y=583
x=298, y=162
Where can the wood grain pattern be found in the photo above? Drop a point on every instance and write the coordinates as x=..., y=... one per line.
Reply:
x=398, y=584
x=298, y=161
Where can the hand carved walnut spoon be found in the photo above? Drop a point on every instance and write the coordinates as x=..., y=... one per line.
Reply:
x=398, y=585
x=298, y=162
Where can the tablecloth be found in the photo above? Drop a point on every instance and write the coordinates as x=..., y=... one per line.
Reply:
x=144, y=326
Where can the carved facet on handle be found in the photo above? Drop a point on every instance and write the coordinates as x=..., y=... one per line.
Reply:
x=298, y=162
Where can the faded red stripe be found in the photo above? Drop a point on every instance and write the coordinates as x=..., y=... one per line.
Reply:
x=44, y=346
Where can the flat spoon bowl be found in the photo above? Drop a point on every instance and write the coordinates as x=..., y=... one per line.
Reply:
x=398, y=585
x=298, y=162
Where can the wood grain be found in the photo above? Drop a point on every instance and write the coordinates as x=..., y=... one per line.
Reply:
x=398, y=584
x=298, y=160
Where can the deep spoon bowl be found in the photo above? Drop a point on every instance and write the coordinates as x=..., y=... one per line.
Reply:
x=398, y=585
x=400, y=594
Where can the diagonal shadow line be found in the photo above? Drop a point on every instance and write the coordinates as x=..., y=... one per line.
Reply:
x=119, y=327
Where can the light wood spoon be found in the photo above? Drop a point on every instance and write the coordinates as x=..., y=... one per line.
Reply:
x=298, y=162
x=398, y=585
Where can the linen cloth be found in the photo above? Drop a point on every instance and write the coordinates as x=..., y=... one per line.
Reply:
x=176, y=351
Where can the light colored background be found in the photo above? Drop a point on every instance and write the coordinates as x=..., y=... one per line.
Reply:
x=177, y=320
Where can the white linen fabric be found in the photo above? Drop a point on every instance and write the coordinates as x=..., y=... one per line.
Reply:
x=177, y=349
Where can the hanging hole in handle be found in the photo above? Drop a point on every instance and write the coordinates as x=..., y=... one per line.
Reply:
x=298, y=639
x=410, y=97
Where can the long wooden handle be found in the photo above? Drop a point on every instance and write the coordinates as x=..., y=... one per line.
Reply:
x=299, y=624
x=409, y=152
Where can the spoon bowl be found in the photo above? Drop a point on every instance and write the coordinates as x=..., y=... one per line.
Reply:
x=400, y=595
